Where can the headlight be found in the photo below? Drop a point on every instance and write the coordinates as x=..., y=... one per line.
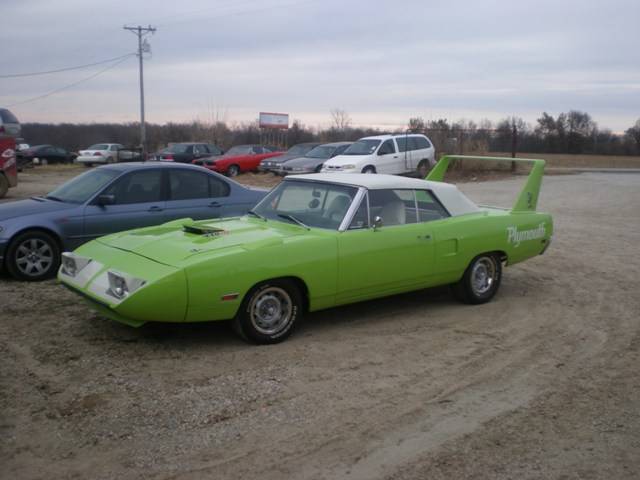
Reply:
x=121, y=285
x=351, y=166
x=72, y=264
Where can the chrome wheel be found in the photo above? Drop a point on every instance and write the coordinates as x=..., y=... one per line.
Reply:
x=271, y=310
x=483, y=275
x=34, y=257
x=233, y=171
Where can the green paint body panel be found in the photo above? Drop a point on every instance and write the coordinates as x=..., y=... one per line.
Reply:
x=188, y=274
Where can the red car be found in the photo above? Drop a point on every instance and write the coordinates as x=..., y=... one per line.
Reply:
x=241, y=158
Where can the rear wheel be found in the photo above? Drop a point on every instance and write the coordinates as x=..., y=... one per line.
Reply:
x=33, y=255
x=481, y=279
x=369, y=169
x=4, y=185
x=423, y=168
x=233, y=170
x=269, y=312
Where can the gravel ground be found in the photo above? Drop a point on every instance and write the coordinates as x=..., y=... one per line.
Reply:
x=543, y=382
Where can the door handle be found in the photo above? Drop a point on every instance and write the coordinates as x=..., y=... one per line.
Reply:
x=155, y=208
x=215, y=204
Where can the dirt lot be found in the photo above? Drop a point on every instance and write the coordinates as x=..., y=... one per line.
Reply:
x=543, y=382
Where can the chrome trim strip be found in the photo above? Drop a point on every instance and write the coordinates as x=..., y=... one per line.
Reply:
x=355, y=204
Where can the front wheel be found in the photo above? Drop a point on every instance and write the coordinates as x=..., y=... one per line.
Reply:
x=33, y=256
x=369, y=169
x=269, y=312
x=480, y=281
x=233, y=170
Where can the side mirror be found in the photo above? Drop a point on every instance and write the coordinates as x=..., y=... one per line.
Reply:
x=377, y=223
x=106, y=200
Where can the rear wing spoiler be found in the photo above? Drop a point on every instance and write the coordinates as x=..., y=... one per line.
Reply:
x=528, y=197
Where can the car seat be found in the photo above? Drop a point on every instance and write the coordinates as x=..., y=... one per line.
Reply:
x=393, y=213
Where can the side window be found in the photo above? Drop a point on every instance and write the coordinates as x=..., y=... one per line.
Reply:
x=402, y=143
x=113, y=148
x=217, y=187
x=200, y=149
x=413, y=143
x=214, y=150
x=395, y=207
x=185, y=185
x=361, y=218
x=257, y=149
x=422, y=143
x=387, y=147
x=137, y=187
x=429, y=208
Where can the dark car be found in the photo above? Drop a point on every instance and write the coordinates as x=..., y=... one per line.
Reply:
x=299, y=150
x=186, y=152
x=108, y=199
x=43, y=154
x=313, y=160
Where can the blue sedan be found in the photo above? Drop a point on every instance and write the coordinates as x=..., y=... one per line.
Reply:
x=109, y=199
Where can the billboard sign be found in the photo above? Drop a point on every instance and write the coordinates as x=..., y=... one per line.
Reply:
x=274, y=120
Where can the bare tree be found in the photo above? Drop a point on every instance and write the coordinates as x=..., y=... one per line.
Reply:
x=341, y=119
x=634, y=133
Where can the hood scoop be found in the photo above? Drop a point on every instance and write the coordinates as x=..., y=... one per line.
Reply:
x=205, y=230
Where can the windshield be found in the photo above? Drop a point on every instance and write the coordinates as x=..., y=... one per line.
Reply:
x=321, y=152
x=362, y=147
x=177, y=148
x=238, y=150
x=315, y=204
x=99, y=146
x=299, y=150
x=83, y=187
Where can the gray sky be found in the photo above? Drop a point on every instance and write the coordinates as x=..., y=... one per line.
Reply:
x=383, y=62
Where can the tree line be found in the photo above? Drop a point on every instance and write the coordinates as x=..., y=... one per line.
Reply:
x=571, y=132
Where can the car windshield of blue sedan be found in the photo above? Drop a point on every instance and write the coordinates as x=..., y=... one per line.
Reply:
x=308, y=204
x=320, y=152
x=83, y=187
x=362, y=147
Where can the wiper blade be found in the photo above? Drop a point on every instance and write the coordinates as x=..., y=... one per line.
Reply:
x=294, y=219
x=55, y=199
x=256, y=214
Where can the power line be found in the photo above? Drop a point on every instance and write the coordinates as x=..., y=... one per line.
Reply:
x=66, y=69
x=57, y=90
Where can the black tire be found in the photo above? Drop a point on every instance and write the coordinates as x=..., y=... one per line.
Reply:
x=318, y=168
x=4, y=185
x=369, y=169
x=423, y=168
x=33, y=255
x=233, y=170
x=252, y=321
x=480, y=281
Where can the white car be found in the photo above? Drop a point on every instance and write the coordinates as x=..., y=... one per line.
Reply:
x=99, y=153
x=394, y=154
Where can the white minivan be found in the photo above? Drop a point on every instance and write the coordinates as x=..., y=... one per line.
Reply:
x=394, y=154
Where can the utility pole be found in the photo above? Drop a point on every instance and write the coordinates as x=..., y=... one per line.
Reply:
x=141, y=32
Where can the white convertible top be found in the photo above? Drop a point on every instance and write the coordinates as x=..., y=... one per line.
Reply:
x=452, y=198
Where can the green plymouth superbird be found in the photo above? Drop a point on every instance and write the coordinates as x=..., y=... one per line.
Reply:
x=315, y=241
